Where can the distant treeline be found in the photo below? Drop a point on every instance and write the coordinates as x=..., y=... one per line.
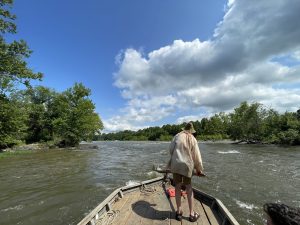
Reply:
x=251, y=123
x=38, y=114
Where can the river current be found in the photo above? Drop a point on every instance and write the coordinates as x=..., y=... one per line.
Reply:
x=62, y=186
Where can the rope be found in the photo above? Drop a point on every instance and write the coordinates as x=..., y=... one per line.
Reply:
x=147, y=190
x=108, y=218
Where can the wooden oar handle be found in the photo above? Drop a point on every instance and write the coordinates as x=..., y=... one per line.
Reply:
x=169, y=171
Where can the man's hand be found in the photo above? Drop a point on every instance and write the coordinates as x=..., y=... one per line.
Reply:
x=199, y=173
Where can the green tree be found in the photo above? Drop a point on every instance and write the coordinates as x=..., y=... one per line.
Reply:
x=154, y=133
x=289, y=129
x=12, y=122
x=197, y=126
x=13, y=72
x=246, y=122
x=271, y=126
x=289, y=137
x=298, y=114
x=203, y=125
x=215, y=125
x=40, y=113
x=13, y=67
x=74, y=117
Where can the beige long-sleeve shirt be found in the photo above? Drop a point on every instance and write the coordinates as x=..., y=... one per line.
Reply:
x=185, y=154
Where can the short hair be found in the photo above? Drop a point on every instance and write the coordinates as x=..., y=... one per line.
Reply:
x=282, y=214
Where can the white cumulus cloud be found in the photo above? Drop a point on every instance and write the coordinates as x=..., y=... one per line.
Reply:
x=235, y=65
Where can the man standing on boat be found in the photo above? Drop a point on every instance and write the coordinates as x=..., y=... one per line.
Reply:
x=185, y=159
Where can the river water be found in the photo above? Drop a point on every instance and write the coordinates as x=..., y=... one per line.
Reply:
x=62, y=186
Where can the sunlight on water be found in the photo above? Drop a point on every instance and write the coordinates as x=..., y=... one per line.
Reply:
x=132, y=182
x=229, y=152
x=245, y=205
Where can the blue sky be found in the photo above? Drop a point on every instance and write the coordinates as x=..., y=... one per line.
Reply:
x=155, y=62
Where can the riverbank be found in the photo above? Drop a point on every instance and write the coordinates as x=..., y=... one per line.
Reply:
x=22, y=150
x=26, y=147
x=18, y=149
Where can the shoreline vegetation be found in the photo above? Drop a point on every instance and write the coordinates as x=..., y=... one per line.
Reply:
x=62, y=122
x=250, y=123
x=84, y=145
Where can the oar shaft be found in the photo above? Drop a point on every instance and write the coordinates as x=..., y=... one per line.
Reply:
x=169, y=171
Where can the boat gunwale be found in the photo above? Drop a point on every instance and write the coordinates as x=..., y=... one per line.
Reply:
x=226, y=212
x=215, y=204
x=109, y=199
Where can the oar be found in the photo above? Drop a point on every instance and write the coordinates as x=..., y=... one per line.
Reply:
x=159, y=170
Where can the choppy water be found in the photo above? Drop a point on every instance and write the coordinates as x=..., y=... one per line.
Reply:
x=62, y=186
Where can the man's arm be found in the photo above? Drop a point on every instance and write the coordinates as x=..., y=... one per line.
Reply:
x=171, y=150
x=197, y=158
x=172, y=146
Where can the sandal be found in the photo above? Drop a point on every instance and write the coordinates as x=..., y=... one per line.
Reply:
x=195, y=217
x=178, y=216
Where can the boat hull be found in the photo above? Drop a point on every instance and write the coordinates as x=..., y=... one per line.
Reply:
x=149, y=203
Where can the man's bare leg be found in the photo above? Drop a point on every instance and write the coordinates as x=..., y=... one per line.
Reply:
x=190, y=196
x=178, y=197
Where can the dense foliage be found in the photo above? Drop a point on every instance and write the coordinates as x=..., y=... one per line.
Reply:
x=38, y=114
x=251, y=123
x=13, y=67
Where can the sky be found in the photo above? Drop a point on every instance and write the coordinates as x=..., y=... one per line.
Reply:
x=149, y=63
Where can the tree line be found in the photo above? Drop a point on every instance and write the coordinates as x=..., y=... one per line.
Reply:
x=38, y=114
x=249, y=122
